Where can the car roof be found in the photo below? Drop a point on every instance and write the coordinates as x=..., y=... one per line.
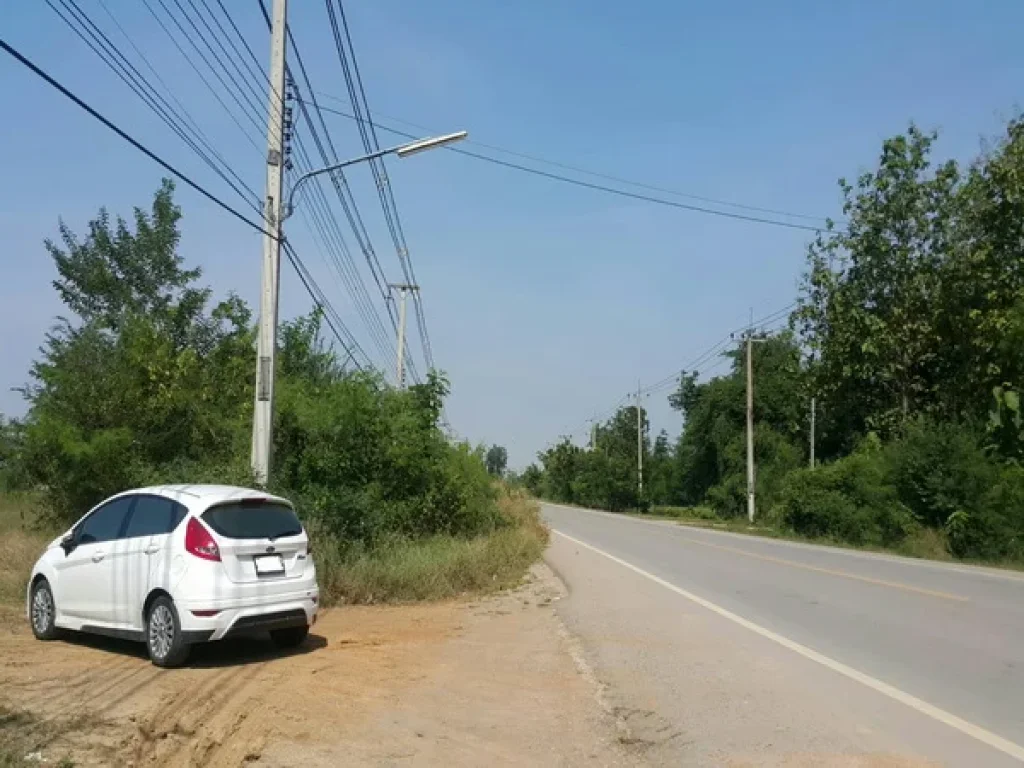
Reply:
x=207, y=495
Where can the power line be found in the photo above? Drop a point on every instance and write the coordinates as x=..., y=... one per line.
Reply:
x=94, y=37
x=320, y=299
x=147, y=152
x=702, y=358
x=310, y=285
x=360, y=104
x=600, y=175
x=247, y=109
x=329, y=156
x=202, y=77
x=720, y=345
x=602, y=188
x=228, y=62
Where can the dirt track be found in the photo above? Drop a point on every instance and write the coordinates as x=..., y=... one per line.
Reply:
x=465, y=683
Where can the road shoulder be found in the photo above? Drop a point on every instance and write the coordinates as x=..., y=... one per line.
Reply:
x=490, y=681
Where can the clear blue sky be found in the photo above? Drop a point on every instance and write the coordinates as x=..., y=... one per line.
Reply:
x=545, y=302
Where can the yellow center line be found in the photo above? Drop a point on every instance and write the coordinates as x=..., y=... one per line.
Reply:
x=831, y=572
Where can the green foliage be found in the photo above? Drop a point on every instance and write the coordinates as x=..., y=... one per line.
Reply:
x=12, y=470
x=850, y=500
x=532, y=479
x=149, y=384
x=496, y=460
x=432, y=567
x=938, y=468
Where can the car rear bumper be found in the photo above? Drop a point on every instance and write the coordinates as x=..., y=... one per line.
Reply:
x=252, y=614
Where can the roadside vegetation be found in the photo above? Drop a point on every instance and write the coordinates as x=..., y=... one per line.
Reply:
x=909, y=333
x=149, y=380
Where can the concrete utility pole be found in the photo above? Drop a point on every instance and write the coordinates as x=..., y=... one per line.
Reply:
x=750, y=426
x=813, y=414
x=263, y=413
x=403, y=289
x=639, y=445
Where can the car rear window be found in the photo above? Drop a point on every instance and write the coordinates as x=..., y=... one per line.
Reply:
x=253, y=519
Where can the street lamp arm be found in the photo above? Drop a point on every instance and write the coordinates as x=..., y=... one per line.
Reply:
x=402, y=150
x=319, y=171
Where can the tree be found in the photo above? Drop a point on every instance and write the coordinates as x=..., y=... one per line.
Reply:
x=871, y=296
x=661, y=471
x=11, y=440
x=561, y=464
x=497, y=460
x=532, y=478
x=710, y=455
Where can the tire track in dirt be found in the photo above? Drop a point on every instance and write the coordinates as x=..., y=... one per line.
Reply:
x=196, y=727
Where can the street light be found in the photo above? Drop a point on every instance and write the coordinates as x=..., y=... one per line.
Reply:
x=402, y=150
x=263, y=411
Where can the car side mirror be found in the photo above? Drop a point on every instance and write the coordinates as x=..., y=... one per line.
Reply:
x=68, y=544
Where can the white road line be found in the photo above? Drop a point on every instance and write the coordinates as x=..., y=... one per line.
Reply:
x=984, y=571
x=968, y=729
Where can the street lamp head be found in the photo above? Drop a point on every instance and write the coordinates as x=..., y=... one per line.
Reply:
x=422, y=145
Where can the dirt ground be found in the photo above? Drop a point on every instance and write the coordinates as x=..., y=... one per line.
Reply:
x=495, y=681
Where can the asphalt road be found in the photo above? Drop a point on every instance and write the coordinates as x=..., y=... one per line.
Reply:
x=718, y=648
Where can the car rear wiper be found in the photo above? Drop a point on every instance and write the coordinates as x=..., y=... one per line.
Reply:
x=277, y=536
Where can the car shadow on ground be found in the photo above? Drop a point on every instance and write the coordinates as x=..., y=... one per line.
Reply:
x=233, y=652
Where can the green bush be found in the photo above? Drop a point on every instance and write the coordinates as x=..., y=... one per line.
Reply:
x=147, y=383
x=850, y=500
x=991, y=527
x=938, y=469
x=776, y=457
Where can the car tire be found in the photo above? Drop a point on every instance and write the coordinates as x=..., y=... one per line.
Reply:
x=289, y=637
x=164, y=638
x=43, y=612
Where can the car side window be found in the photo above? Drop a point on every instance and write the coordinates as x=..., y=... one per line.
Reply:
x=105, y=523
x=153, y=516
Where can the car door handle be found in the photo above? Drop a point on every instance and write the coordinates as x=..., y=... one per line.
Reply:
x=97, y=556
x=152, y=549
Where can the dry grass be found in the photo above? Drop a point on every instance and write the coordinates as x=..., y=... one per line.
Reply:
x=21, y=543
x=438, y=567
x=23, y=736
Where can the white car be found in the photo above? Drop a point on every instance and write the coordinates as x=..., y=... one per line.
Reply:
x=175, y=565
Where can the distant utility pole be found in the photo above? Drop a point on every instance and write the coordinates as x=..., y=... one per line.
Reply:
x=750, y=425
x=639, y=445
x=814, y=404
x=263, y=414
x=403, y=289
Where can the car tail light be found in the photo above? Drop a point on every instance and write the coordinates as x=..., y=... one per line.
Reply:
x=199, y=542
x=205, y=614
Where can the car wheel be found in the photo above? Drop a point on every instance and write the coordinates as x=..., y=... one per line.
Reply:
x=289, y=637
x=164, y=639
x=43, y=612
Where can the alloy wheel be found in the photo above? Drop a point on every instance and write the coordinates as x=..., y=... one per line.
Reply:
x=42, y=610
x=161, y=631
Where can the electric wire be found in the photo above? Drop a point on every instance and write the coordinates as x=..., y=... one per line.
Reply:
x=353, y=81
x=821, y=230
x=109, y=53
x=307, y=280
x=327, y=152
x=600, y=175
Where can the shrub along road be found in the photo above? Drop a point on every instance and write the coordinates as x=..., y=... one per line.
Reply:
x=719, y=647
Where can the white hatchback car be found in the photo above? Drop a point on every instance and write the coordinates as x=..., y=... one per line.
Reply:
x=175, y=565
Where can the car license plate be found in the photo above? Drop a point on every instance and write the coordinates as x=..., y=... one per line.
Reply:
x=268, y=564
